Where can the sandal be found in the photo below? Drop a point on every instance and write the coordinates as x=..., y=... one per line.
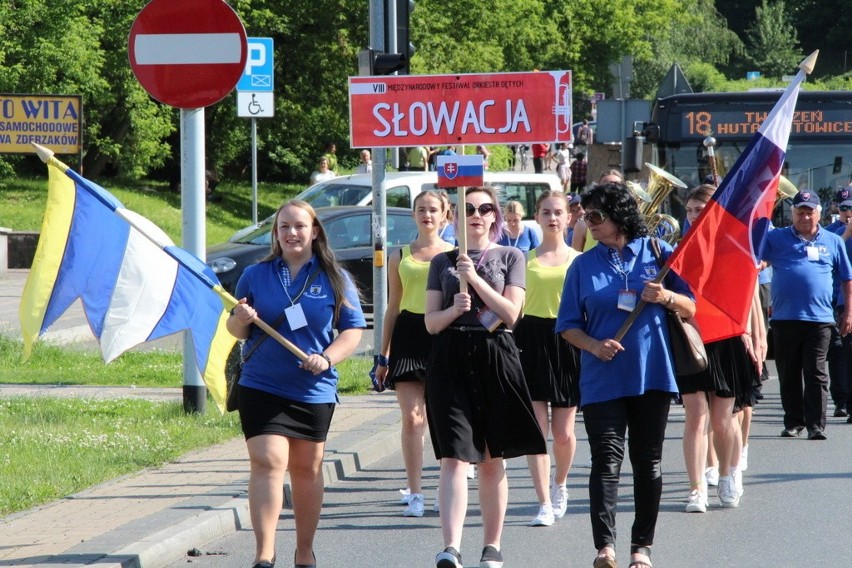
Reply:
x=643, y=550
x=605, y=558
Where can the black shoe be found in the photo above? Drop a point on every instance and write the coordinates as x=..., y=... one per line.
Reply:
x=849, y=420
x=449, y=558
x=791, y=432
x=265, y=564
x=841, y=412
x=491, y=558
x=314, y=565
x=816, y=434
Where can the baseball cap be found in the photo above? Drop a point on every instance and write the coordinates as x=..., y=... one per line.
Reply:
x=806, y=199
x=842, y=195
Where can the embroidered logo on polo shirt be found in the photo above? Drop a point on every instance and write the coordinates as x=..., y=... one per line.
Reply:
x=315, y=292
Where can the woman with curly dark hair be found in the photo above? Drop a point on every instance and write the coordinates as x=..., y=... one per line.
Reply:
x=625, y=386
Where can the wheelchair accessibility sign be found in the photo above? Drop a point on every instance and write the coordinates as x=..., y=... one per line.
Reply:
x=255, y=88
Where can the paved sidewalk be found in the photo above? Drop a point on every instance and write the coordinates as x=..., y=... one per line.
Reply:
x=152, y=518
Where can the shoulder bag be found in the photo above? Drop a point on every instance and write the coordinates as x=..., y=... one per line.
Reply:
x=685, y=343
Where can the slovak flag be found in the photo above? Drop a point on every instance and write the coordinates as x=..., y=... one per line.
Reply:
x=460, y=171
x=720, y=254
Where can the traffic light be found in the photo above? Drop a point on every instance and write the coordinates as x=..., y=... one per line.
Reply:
x=373, y=62
x=404, y=8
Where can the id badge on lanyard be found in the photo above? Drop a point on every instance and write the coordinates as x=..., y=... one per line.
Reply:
x=813, y=253
x=296, y=317
x=626, y=300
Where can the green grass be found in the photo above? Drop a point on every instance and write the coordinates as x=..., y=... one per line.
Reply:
x=51, y=447
x=22, y=203
x=52, y=365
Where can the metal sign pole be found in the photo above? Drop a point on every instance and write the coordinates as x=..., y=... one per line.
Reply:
x=192, y=195
x=380, y=271
x=254, y=171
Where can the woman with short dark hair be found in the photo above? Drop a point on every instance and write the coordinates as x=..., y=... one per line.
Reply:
x=626, y=386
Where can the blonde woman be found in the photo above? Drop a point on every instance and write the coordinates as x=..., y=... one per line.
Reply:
x=515, y=233
x=285, y=404
x=551, y=364
x=405, y=342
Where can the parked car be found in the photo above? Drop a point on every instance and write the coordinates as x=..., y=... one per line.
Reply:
x=402, y=187
x=349, y=235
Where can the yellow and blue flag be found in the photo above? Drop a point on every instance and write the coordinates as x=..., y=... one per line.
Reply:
x=134, y=283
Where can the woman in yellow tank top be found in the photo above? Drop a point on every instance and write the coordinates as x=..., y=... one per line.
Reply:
x=551, y=365
x=405, y=341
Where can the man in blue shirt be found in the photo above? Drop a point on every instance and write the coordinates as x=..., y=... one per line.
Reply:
x=805, y=258
x=839, y=348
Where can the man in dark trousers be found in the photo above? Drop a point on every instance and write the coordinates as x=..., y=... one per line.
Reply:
x=804, y=258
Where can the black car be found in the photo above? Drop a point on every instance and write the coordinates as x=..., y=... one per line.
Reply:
x=349, y=231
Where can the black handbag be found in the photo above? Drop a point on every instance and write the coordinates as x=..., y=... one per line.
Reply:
x=234, y=368
x=685, y=343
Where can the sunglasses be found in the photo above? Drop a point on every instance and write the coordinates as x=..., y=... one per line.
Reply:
x=845, y=207
x=483, y=209
x=594, y=217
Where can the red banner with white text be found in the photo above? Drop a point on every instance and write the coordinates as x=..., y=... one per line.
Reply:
x=446, y=110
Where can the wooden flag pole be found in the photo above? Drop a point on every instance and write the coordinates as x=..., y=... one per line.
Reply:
x=461, y=233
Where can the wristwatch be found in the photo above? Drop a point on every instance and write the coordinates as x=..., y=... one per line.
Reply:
x=671, y=300
x=327, y=358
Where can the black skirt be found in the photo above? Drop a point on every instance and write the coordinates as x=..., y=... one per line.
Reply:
x=551, y=365
x=265, y=413
x=477, y=398
x=410, y=348
x=730, y=372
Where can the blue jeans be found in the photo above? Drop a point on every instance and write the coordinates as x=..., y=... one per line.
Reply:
x=643, y=419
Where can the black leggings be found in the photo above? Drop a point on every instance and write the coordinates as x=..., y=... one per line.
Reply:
x=643, y=418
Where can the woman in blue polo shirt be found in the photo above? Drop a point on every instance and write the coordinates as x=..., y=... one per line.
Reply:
x=285, y=404
x=626, y=385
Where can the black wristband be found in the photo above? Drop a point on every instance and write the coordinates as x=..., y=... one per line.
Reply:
x=327, y=358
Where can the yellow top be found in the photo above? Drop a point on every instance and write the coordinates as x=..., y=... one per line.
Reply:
x=544, y=285
x=590, y=241
x=413, y=274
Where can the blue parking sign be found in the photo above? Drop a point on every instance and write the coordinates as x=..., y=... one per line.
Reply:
x=257, y=76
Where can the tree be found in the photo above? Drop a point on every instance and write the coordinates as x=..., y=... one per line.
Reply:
x=773, y=45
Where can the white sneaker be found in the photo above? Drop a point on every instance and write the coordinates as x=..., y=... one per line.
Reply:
x=696, y=502
x=415, y=506
x=737, y=474
x=471, y=471
x=728, y=495
x=405, y=495
x=436, y=507
x=544, y=518
x=559, y=498
x=711, y=476
x=744, y=459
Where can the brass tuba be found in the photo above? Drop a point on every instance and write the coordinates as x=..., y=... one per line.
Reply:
x=660, y=185
x=786, y=190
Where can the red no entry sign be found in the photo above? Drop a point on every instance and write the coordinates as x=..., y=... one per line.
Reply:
x=187, y=53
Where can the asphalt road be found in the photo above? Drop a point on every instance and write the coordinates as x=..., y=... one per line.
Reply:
x=794, y=513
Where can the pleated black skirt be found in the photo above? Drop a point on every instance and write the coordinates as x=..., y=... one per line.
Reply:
x=551, y=365
x=410, y=348
x=477, y=398
x=730, y=372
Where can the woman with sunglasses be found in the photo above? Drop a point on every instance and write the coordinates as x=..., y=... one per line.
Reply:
x=625, y=386
x=405, y=342
x=582, y=239
x=551, y=364
x=477, y=403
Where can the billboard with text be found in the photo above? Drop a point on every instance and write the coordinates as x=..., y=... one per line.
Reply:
x=54, y=121
x=447, y=110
